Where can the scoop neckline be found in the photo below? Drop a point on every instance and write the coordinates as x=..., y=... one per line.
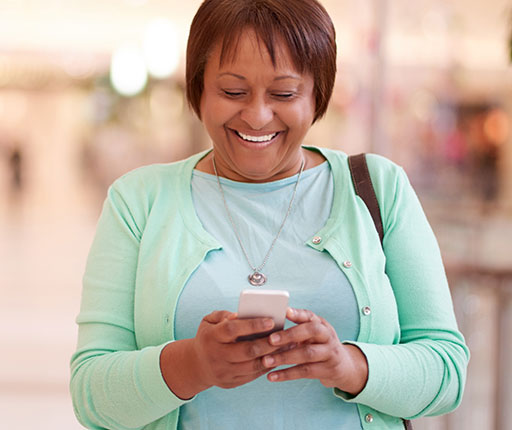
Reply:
x=272, y=184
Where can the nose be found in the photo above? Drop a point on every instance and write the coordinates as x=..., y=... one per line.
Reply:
x=257, y=113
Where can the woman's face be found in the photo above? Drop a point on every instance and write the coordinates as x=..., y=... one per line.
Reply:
x=256, y=114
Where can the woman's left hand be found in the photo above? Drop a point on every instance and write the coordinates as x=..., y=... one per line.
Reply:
x=316, y=353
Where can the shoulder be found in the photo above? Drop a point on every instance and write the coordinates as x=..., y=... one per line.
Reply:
x=388, y=178
x=382, y=169
x=146, y=179
x=164, y=186
x=378, y=165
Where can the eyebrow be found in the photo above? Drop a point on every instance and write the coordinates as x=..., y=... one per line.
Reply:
x=278, y=78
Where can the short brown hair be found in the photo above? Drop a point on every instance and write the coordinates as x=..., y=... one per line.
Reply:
x=303, y=25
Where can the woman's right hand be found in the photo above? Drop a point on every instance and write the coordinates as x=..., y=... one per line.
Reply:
x=214, y=357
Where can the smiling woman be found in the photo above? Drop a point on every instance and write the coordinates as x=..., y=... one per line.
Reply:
x=159, y=342
x=257, y=113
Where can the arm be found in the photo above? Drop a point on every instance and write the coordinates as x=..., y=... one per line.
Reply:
x=114, y=385
x=425, y=373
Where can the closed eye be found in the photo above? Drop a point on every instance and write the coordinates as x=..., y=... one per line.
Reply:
x=233, y=94
x=284, y=95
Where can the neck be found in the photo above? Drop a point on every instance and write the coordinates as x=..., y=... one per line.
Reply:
x=228, y=170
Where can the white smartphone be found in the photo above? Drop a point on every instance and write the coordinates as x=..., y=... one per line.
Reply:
x=255, y=303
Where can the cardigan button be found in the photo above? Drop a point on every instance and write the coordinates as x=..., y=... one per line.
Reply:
x=347, y=264
x=316, y=240
x=368, y=418
x=367, y=310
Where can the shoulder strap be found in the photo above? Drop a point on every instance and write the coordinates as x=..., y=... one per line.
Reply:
x=364, y=189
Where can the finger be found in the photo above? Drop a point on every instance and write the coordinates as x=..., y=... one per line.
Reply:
x=217, y=316
x=249, y=378
x=299, y=316
x=230, y=330
x=302, y=354
x=308, y=332
x=241, y=380
x=301, y=371
x=238, y=352
x=234, y=371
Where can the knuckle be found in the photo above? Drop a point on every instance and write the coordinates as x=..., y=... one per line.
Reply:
x=229, y=329
x=309, y=352
x=316, y=329
x=303, y=312
x=309, y=314
x=252, y=350
x=258, y=365
x=305, y=370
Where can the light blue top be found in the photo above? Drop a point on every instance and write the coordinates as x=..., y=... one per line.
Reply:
x=312, y=278
x=149, y=241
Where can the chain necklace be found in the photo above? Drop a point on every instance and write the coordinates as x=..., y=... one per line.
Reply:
x=257, y=278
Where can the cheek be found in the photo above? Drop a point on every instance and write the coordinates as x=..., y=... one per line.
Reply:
x=218, y=111
x=300, y=119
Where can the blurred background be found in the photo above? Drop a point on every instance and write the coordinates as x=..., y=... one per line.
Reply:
x=92, y=89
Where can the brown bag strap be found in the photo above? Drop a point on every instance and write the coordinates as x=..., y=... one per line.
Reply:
x=364, y=189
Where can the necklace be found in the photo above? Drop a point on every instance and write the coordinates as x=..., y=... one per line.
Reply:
x=257, y=278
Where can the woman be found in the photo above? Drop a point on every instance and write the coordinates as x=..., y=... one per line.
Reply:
x=373, y=338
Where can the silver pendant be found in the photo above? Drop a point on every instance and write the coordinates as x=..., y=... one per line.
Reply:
x=257, y=279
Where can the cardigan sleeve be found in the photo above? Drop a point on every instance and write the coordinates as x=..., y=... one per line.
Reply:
x=425, y=373
x=115, y=385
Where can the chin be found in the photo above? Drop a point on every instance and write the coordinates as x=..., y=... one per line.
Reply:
x=255, y=170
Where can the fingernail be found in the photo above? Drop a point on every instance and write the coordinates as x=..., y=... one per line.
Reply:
x=268, y=323
x=275, y=338
x=272, y=377
x=269, y=361
x=291, y=311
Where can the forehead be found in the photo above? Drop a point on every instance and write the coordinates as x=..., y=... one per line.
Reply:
x=249, y=47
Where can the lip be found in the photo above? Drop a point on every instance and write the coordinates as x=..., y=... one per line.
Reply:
x=255, y=145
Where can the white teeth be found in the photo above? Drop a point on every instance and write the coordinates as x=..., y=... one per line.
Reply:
x=265, y=138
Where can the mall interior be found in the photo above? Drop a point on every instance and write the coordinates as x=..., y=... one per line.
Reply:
x=92, y=89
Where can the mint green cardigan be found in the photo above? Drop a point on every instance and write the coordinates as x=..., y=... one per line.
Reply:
x=149, y=240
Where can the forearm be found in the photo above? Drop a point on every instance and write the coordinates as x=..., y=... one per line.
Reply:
x=425, y=377
x=120, y=390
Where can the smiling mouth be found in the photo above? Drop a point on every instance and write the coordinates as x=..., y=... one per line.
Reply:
x=256, y=139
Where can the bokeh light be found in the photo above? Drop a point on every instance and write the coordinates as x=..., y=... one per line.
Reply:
x=128, y=72
x=497, y=126
x=161, y=48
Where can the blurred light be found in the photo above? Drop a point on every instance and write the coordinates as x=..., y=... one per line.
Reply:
x=434, y=23
x=79, y=67
x=14, y=109
x=5, y=72
x=346, y=90
x=101, y=105
x=128, y=72
x=166, y=102
x=444, y=120
x=161, y=48
x=136, y=2
x=423, y=104
x=497, y=126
